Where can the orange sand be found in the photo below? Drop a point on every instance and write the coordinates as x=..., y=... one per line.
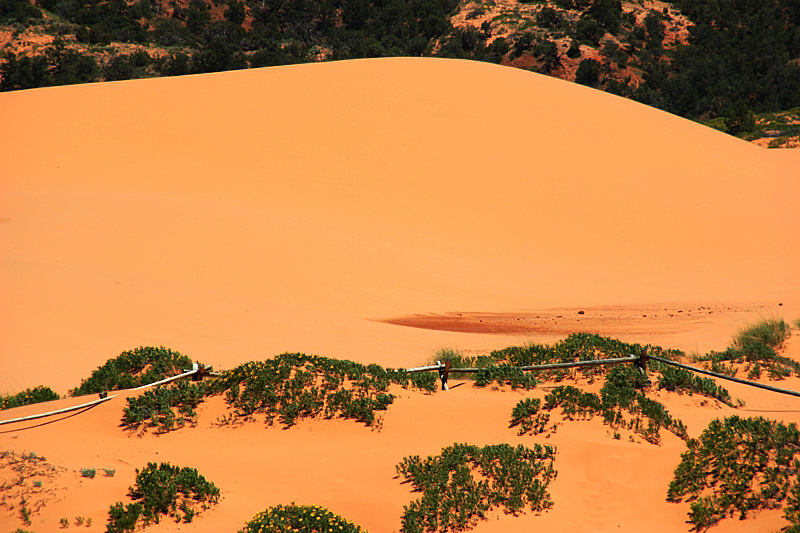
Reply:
x=237, y=215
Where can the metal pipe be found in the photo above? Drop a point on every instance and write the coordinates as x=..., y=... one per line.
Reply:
x=65, y=410
x=723, y=376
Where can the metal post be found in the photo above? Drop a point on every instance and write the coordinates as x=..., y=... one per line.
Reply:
x=444, y=372
x=641, y=364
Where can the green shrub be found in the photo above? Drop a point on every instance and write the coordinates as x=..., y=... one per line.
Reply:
x=755, y=346
x=154, y=407
x=288, y=388
x=453, y=498
x=625, y=388
x=294, y=386
x=123, y=518
x=526, y=415
x=134, y=368
x=28, y=396
x=299, y=519
x=621, y=392
x=156, y=493
x=89, y=472
x=576, y=347
x=739, y=465
x=680, y=380
x=505, y=375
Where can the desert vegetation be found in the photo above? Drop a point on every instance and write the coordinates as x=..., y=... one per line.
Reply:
x=26, y=488
x=464, y=482
x=622, y=393
x=35, y=395
x=162, y=489
x=299, y=519
x=774, y=129
x=134, y=368
x=754, y=352
x=736, y=467
x=575, y=347
x=287, y=388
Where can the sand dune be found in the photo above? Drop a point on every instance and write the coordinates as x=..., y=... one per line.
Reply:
x=245, y=213
x=323, y=208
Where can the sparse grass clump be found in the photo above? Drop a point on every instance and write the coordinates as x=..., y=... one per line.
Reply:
x=755, y=348
x=37, y=394
x=89, y=472
x=157, y=492
x=737, y=466
x=288, y=388
x=134, y=368
x=23, y=490
x=299, y=519
x=457, y=359
x=771, y=332
x=464, y=482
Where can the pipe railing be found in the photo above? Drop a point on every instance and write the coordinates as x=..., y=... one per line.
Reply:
x=444, y=370
x=196, y=369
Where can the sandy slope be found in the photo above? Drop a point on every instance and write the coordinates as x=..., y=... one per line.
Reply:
x=237, y=215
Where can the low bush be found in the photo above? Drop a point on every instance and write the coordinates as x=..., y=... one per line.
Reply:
x=623, y=391
x=505, y=375
x=757, y=357
x=464, y=482
x=576, y=347
x=682, y=380
x=293, y=386
x=157, y=492
x=527, y=416
x=157, y=407
x=288, y=388
x=299, y=519
x=736, y=466
x=134, y=368
x=28, y=396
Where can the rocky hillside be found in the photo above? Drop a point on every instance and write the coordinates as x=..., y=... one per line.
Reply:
x=699, y=59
